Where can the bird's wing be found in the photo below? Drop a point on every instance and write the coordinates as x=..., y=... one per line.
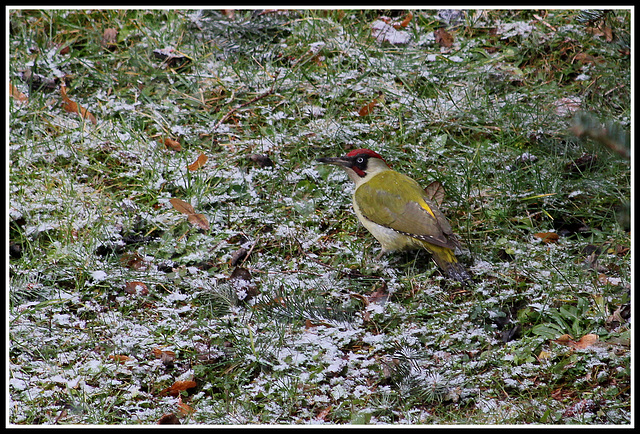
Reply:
x=414, y=215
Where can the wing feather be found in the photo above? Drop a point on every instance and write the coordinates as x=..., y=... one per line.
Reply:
x=411, y=213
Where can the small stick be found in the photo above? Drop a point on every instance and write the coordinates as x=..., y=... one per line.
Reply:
x=244, y=104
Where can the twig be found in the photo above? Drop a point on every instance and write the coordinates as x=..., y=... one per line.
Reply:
x=244, y=104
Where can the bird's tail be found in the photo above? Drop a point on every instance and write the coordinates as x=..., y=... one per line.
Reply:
x=446, y=260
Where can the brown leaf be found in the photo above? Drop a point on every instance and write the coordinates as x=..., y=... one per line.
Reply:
x=588, y=59
x=367, y=109
x=182, y=206
x=109, y=39
x=238, y=256
x=443, y=37
x=547, y=237
x=380, y=295
x=166, y=356
x=608, y=33
x=179, y=386
x=435, y=192
x=586, y=341
x=606, y=280
x=324, y=413
x=406, y=20
x=240, y=279
x=169, y=419
x=200, y=161
x=133, y=260
x=73, y=107
x=199, y=220
x=120, y=358
x=184, y=409
x=261, y=160
x=136, y=287
x=172, y=144
x=192, y=217
x=564, y=340
x=15, y=93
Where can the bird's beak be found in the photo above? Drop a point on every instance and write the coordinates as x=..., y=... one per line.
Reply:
x=338, y=161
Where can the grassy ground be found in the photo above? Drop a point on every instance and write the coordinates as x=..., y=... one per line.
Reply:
x=264, y=304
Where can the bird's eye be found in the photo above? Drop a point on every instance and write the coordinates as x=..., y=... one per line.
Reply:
x=360, y=160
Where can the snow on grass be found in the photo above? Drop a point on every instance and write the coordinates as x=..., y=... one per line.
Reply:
x=315, y=344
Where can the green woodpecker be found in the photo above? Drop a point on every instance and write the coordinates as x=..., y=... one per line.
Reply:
x=397, y=211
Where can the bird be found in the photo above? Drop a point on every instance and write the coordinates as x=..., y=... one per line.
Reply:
x=397, y=211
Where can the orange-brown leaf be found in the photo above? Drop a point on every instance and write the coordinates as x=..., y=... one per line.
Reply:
x=178, y=386
x=367, y=109
x=406, y=20
x=547, y=237
x=564, y=340
x=172, y=144
x=184, y=409
x=72, y=107
x=324, y=413
x=200, y=161
x=120, y=358
x=586, y=341
x=133, y=260
x=14, y=92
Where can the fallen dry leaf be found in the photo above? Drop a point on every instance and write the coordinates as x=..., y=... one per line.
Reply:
x=184, y=409
x=199, y=220
x=367, y=109
x=169, y=419
x=543, y=355
x=109, y=39
x=443, y=37
x=406, y=20
x=261, y=160
x=165, y=355
x=172, y=144
x=200, y=161
x=435, y=192
x=324, y=413
x=15, y=93
x=72, y=107
x=120, y=358
x=192, y=217
x=182, y=206
x=133, y=260
x=136, y=287
x=178, y=386
x=547, y=237
x=584, y=342
x=564, y=340
x=380, y=295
